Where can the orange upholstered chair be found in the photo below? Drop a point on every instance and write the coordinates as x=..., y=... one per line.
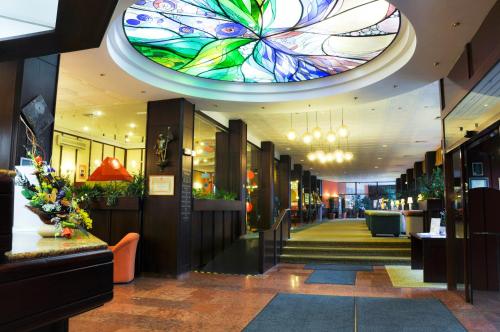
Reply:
x=124, y=258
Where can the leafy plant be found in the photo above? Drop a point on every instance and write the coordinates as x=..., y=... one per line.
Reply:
x=433, y=187
x=219, y=194
x=137, y=187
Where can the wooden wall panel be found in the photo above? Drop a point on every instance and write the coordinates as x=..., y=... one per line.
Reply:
x=238, y=165
x=284, y=168
x=266, y=190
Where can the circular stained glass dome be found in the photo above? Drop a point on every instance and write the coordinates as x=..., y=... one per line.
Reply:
x=261, y=41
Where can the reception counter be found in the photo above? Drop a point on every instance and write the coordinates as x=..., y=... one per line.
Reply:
x=44, y=281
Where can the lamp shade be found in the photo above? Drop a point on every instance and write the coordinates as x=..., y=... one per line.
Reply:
x=110, y=170
x=410, y=200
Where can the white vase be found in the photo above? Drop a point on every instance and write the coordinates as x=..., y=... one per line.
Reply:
x=47, y=230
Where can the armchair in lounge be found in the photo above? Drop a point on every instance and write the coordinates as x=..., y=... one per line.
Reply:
x=124, y=258
x=383, y=222
x=414, y=221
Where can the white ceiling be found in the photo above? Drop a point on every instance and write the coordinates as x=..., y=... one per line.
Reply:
x=121, y=97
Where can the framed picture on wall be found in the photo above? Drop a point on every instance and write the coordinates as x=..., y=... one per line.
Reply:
x=479, y=183
x=81, y=174
x=161, y=185
x=477, y=169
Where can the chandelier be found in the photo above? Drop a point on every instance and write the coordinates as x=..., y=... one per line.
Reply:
x=316, y=137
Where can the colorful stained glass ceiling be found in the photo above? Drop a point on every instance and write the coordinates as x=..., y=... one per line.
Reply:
x=261, y=41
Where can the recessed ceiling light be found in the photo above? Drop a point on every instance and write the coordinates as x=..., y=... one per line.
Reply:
x=132, y=125
x=379, y=158
x=288, y=149
x=376, y=167
x=310, y=168
x=456, y=24
x=130, y=134
x=301, y=159
x=97, y=113
x=436, y=64
x=85, y=128
x=141, y=113
x=384, y=146
x=127, y=139
x=485, y=105
x=102, y=74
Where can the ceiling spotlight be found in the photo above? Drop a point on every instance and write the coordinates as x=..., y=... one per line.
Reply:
x=132, y=125
x=97, y=113
x=130, y=134
x=291, y=135
x=307, y=138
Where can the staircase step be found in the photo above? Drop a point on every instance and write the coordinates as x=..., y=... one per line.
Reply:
x=346, y=251
x=375, y=260
x=395, y=243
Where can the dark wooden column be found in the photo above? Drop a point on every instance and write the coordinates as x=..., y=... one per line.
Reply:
x=167, y=219
x=238, y=165
x=298, y=175
x=411, y=182
x=418, y=172
x=222, y=172
x=284, y=177
x=398, y=187
x=429, y=163
x=22, y=81
x=449, y=194
x=404, y=186
x=306, y=182
x=266, y=189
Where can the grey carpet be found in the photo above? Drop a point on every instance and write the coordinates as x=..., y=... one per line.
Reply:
x=338, y=267
x=332, y=277
x=300, y=312
x=390, y=314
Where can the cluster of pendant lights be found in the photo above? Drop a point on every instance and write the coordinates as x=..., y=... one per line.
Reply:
x=316, y=137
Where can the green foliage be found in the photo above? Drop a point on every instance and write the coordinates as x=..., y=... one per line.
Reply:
x=219, y=194
x=433, y=188
x=112, y=191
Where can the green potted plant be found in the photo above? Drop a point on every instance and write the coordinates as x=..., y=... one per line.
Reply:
x=432, y=191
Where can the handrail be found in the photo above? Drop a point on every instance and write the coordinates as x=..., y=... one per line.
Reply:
x=280, y=218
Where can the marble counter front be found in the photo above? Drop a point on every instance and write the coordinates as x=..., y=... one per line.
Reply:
x=30, y=245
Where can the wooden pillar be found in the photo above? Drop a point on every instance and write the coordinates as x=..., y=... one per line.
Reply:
x=284, y=177
x=418, y=172
x=404, y=185
x=398, y=187
x=411, y=182
x=449, y=194
x=21, y=82
x=221, y=160
x=167, y=219
x=266, y=194
x=298, y=175
x=429, y=163
x=306, y=182
x=238, y=165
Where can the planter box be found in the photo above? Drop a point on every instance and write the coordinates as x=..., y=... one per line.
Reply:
x=432, y=204
x=123, y=203
x=216, y=205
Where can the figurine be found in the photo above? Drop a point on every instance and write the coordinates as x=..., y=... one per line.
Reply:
x=161, y=147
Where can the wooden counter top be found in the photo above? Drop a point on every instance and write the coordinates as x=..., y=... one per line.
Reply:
x=30, y=245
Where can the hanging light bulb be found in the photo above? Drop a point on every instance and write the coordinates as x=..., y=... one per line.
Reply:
x=317, y=131
x=307, y=138
x=311, y=156
x=348, y=156
x=330, y=136
x=291, y=135
x=320, y=154
x=330, y=157
x=343, y=131
x=340, y=158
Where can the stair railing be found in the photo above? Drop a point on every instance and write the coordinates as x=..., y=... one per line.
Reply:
x=272, y=241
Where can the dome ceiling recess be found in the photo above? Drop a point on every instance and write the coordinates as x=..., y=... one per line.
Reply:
x=261, y=41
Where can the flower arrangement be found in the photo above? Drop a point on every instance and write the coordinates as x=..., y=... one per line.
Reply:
x=53, y=201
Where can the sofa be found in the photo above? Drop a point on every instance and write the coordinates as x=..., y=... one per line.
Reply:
x=414, y=221
x=383, y=222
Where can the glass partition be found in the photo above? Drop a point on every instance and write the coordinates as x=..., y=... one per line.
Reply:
x=204, y=162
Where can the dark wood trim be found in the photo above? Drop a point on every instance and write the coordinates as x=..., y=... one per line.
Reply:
x=284, y=177
x=238, y=165
x=266, y=189
x=216, y=205
x=77, y=28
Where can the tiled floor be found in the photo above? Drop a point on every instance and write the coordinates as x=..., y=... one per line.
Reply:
x=204, y=302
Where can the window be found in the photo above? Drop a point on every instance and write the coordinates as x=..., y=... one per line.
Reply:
x=253, y=181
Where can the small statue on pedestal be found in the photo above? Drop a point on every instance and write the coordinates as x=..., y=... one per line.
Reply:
x=161, y=147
